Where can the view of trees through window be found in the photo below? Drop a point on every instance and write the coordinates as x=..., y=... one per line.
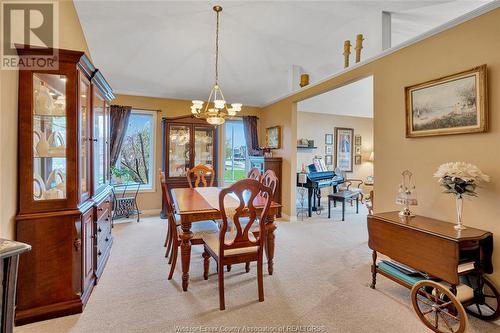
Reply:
x=136, y=161
x=235, y=151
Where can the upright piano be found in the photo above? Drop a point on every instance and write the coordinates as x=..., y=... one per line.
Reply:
x=316, y=180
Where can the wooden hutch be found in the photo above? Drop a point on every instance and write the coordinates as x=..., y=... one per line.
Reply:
x=64, y=192
x=187, y=142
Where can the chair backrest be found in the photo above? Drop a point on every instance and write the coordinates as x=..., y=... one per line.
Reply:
x=249, y=192
x=370, y=204
x=201, y=172
x=168, y=201
x=161, y=174
x=254, y=173
x=270, y=180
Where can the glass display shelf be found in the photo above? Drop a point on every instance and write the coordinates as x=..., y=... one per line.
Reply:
x=203, y=140
x=179, y=157
x=84, y=136
x=49, y=136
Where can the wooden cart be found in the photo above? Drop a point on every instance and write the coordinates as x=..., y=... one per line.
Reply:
x=454, y=264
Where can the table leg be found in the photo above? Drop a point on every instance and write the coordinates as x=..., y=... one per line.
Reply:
x=374, y=269
x=357, y=204
x=309, y=203
x=329, y=208
x=343, y=209
x=270, y=227
x=186, y=253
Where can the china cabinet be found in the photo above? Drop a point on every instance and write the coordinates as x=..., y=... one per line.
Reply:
x=64, y=193
x=187, y=141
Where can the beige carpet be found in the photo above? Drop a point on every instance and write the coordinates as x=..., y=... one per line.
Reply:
x=322, y=272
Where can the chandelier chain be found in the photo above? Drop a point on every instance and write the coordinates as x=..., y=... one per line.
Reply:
x=217, y=51
x=215, y=110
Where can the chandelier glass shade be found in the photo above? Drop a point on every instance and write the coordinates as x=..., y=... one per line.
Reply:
x=216, y=109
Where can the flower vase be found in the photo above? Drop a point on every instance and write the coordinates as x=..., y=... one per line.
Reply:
x=459, y=205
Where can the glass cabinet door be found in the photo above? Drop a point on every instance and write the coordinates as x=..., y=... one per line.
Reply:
x=49, y=136
x=99, y=141
x=107, y=171
x=178, y=154
x=204, y=146
x=84, y=139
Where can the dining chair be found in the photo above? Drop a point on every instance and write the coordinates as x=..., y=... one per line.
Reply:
x=161, y=176
x=270, y=180
x=369, y=203
x=174, y=230
x=200, y=173
x=239, y=245
x=254, y=173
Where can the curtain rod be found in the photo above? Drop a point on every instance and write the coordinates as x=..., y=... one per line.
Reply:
x=142, y=109
x=238, y=116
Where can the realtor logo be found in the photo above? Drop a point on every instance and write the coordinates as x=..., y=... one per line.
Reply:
x=32, y=26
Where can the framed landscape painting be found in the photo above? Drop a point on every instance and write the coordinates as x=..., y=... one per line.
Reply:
x=344, y=138
x=273, y=137
x=451, y=105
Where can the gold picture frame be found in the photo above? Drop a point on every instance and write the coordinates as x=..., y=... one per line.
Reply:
x=273, y=137
x=344, y=148
x=454, y=104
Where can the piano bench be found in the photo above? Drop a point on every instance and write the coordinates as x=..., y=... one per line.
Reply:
x=343, y=197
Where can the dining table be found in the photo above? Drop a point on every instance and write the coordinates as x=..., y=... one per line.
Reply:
x=200, y=204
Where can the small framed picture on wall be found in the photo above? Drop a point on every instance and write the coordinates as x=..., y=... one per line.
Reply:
x=357, y=159
x=357, y=150
x=328, y=139
x=357, y=140
x=328, y=150
x=328, y=159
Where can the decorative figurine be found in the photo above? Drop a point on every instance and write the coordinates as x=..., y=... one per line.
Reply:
x=359, y=46
x=347, y=52
x=304, y=80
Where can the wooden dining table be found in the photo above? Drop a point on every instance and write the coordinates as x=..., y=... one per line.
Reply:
x=193, y=207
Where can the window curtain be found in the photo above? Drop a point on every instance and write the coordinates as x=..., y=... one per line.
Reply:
x=119, y=116
x=251, y=136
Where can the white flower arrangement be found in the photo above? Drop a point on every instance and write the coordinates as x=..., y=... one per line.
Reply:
x=460, y=178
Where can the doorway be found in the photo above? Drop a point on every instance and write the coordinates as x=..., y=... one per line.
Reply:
x=335, y=148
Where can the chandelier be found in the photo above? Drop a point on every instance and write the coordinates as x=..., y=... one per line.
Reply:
x=215, y=110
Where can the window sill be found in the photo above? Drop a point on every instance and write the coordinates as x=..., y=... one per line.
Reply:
x=146, y=190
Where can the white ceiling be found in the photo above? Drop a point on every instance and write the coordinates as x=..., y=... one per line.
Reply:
x=165, y=48
x=355, y=99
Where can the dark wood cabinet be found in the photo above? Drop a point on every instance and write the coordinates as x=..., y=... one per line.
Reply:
x=187, y=142
x=64, y=167
x=88, y=251
x=270, y=163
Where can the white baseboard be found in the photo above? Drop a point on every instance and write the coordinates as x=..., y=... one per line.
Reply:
x=287, y=218
x=150, y=212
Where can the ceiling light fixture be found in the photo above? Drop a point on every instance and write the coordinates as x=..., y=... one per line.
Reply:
x=216, y=110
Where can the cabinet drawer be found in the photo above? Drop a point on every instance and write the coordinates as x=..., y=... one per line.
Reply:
x=104, y=209
x=103, y=245
x=103, y=229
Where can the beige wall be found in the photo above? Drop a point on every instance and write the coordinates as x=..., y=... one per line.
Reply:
x=314, y=126
x=168, y=108
x=467, y=45
x=70, y=37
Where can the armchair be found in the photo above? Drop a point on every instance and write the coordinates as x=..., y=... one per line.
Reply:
x=351, y=184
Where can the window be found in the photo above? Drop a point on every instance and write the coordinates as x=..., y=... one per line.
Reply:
x=136, y=162
x=235, y=151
